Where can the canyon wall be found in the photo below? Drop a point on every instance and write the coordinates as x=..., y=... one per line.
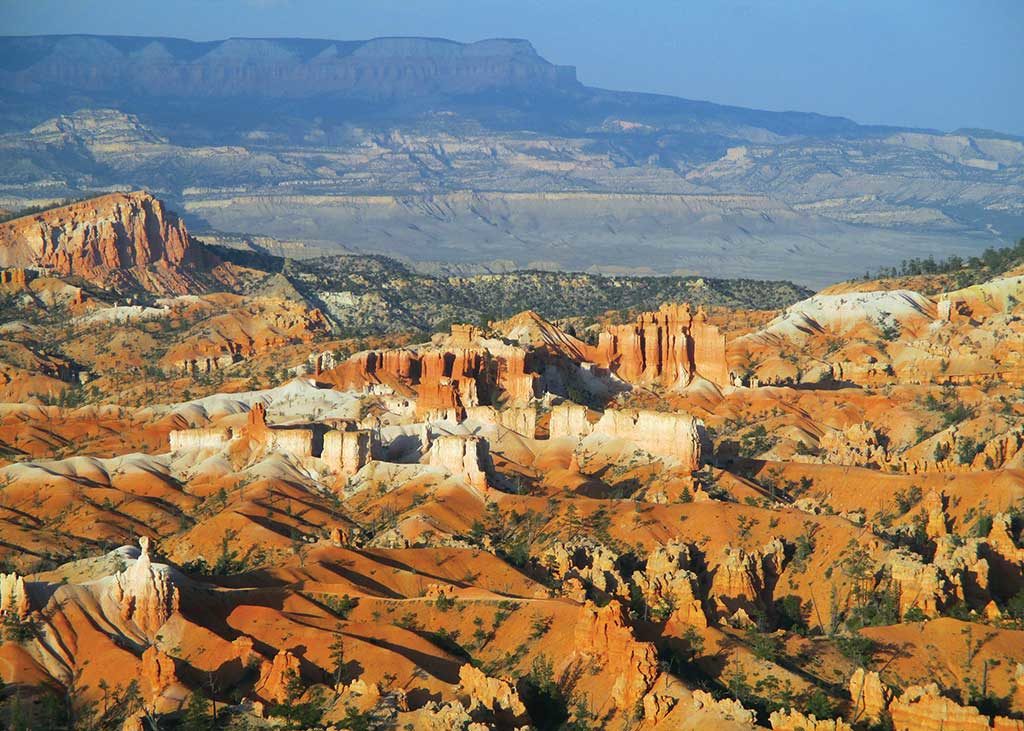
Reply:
x=121, y=239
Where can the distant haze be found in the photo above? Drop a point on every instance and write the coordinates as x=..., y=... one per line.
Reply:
x=928, y=63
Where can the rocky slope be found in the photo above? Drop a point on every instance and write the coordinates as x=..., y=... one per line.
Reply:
x=118, y=241
x=688, y=518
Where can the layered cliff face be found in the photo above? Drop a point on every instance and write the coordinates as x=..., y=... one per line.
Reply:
x=678, y=436
x=378, y=68
x=449, y=375
x=122, y=240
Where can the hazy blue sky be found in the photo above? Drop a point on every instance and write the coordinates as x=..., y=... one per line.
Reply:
x=928, y=63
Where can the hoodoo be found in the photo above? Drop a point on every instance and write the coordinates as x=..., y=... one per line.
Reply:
x=669, y=347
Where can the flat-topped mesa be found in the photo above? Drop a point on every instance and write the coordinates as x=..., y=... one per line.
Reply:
x=116, y=239
x=669, y=347
x=678, y=436
x=345, y=448
x=145, y=593
x=241, y=69
x=463, y=456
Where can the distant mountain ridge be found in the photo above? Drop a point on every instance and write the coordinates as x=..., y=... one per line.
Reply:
x=472, y=154
x=271, y=67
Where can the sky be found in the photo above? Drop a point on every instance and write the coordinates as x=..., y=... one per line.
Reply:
x=939, y=64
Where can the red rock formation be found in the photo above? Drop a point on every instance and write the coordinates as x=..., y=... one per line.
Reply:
x=347, y=451
x=391, y=367
x=790, y=720
x=158, y=678
x=243, y=647
x=585, y=563
x=440, y=390
x=718, y=711
x=919, y=585
x=924, y=708
x=495, y=696
x=569, y=420
x=520, y=420
x=256, y=421
x=742, y=581
x=668, y=347
x=117, y=239
x=186, y=439
x=14, y=278
x=272, y=685
x=603, y=636
x=513, y=377
x=667, y=581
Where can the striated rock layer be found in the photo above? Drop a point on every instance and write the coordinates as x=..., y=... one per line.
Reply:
x=119, y=240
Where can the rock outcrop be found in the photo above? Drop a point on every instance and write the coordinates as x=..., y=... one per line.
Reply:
x=869, y=695
x=678, y=436
x=275, y=676
x=790, y=720
x=522, y=420
x=569, y=420
x=603, y=637
x=348, y=451
x=15, y=278
x=145, y=593
x=726, y=708
x=465, y=457
x=163, y=691
x=668, y=348
x=117, y=240
x=13, y=596
x=857, y=445
x=743, y=581
x=919, y=584
x=188, y=439
x=924, y=708
x=589, y=564
x=670, y=587
x=498, y=698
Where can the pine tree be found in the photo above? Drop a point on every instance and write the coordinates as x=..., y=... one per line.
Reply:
x=197, y=716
